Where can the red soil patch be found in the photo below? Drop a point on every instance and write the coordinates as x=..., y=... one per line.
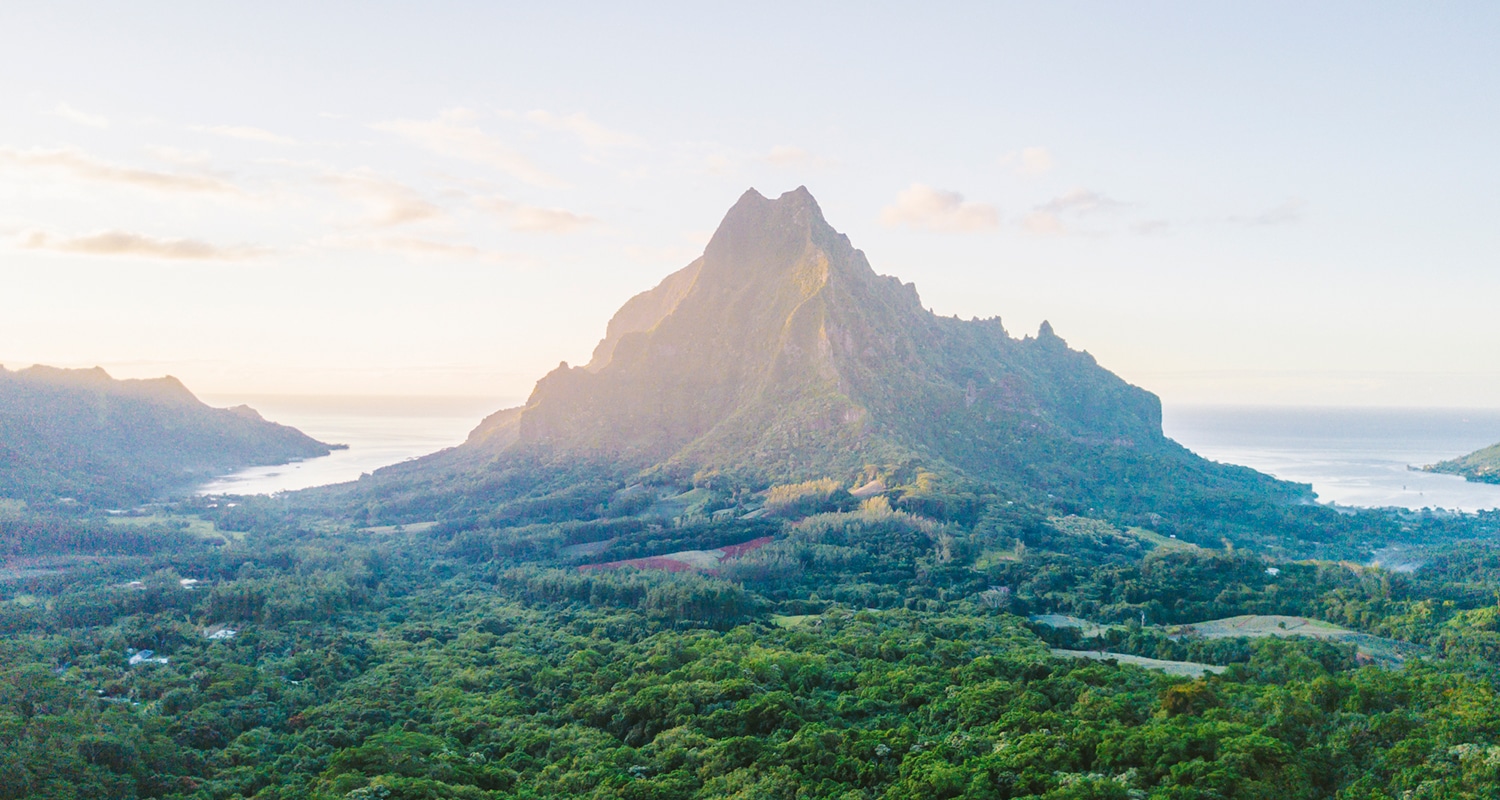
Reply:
x=737, y=550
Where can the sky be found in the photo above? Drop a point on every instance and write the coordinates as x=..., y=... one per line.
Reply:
x=1268, y=203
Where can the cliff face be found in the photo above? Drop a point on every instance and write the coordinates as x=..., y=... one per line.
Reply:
x=781, y=352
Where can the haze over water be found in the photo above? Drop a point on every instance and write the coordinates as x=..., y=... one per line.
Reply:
x=379, y=431
x=1351, y=456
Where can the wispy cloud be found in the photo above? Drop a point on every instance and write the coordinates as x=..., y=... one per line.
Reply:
x=1043, y=223
x=136, y=245
x=246, y=133
x=591, y=133
x=454, y=135
x=422, y=248
x=86, y=167
x=789, y=156
x=72, y=114
x=1284, y=214
x=389, y=203
x=1029, y=160
x=1081, y=201
x=660, y=255
x=532, y=219
x=1048, y=218
x=925, y=208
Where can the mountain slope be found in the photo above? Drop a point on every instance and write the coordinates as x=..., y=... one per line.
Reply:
x=1480, y=466
x=82, y=434
x=780, y=355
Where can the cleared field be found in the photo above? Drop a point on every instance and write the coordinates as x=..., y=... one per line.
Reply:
x=1374, y=648
x=792, y=620
x=1161, y=542
x=701, y=560
x=1189, y=669
x=410, y=527
x=197, y=526
x=1367, y=647
x=1085, y=627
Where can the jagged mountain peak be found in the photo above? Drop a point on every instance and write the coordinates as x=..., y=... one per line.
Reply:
x=781, y=352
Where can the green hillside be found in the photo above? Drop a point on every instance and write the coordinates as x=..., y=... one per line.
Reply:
x=1480, y=466
x=81, y=434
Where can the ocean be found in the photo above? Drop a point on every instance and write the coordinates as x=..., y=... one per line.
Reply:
x=379, y=431
x=1351, y=456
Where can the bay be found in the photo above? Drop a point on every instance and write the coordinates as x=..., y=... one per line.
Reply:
x=1352, y=456
x=379, y=432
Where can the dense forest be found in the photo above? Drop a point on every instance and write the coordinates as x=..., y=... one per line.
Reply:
x=878, y=646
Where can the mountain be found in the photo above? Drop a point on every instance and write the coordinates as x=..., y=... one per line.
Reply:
x=1480, y=466
x=780, y=355
x=82, y=434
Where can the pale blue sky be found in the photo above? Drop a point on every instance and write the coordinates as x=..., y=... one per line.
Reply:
x=1268, y=203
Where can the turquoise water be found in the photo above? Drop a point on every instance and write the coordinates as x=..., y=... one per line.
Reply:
x=1351, y=456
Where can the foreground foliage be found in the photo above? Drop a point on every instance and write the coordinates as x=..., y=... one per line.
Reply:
x=867, y=652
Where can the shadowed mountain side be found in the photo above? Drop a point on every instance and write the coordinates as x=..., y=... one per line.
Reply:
x=780, y=355
x=82, y=434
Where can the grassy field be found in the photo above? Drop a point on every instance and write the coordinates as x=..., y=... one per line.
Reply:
x=1189, y=669
x=1161, y=542
x=1085, y=627
x=1376, y=648
x=1390, y=652
x=411, y=527
x=196, y=526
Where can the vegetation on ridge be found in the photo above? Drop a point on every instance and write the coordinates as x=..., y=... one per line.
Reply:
x=80, y=434
x=1480, y=466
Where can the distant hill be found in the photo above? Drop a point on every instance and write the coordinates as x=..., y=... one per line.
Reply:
x=1480, y=466
x=82, y=434
x=781, y=356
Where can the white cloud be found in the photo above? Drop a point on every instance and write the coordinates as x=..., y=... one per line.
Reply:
x=454, y=135
x=660, y=255
x=1029, y=160
x=532, y=219
x=244, y=132
x=1043, y=223
x=786, y=155
x=925, y=208
x=1035, y=160
x=587, y=130
x=88, y=168
x=72, y=114
x=789, y=156
x=422, y=248
x=389, y=203
x=1080, y=201
x=1047, y=219
x=183, y=158
x=719, y=165
x=135, y=245
x=1283, y=214
x=1151, y=227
